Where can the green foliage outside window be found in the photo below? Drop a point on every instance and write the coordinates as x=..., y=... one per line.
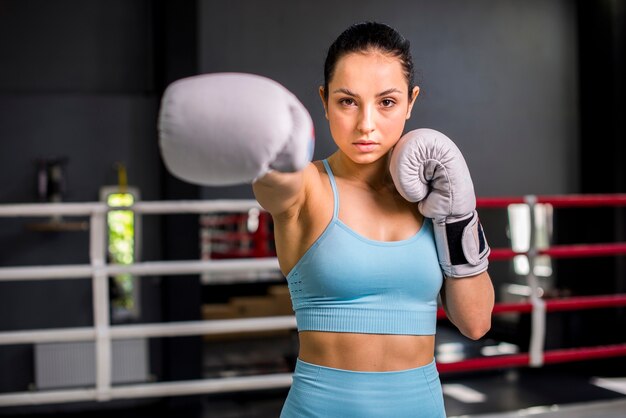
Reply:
x=122, y=247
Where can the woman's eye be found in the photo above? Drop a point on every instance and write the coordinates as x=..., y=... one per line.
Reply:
x=387, y=103
x=347, y=102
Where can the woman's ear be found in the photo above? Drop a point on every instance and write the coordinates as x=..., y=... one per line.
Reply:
x=324, y=102
x=414, y=94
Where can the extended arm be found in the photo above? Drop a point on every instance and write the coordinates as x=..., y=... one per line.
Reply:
x=230, y=128
x=280, y=193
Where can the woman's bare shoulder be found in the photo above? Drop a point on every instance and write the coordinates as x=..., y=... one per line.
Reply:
x=313, y=175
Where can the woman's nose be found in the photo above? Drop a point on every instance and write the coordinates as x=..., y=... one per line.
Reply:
x=366, y=120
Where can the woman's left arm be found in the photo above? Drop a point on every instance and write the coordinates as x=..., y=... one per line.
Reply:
x=468, y=302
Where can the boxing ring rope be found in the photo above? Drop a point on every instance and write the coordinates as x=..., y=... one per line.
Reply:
x=557, y=201
x=558, y=305
x=524, y=359
x=565, y=251
x=139, y=269
x=103, y=333
x=538, y=307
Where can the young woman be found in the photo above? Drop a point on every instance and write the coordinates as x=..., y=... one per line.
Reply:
x=360, y=260
x=363, y=263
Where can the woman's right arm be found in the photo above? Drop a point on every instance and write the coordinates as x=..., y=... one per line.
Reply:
x=284, y=196
x=281, y=194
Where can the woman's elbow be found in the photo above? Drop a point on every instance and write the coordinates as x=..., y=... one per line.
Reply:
x=477, y=330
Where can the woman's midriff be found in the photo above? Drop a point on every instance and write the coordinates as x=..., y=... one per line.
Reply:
x=366, y=352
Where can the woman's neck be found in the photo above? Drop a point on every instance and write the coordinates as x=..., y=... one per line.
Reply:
x=374, y=175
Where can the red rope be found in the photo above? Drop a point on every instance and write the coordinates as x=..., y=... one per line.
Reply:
x=585, y=250
x=586, y=302
x=565, y=251
x=556, y=305
x=502, y=254
x=523, y=359
x=558, y=201
x=570, y=201
x=523, y=307
x=497, y=202
x=485, y=363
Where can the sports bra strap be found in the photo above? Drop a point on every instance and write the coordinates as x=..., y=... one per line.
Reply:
x=333, y=185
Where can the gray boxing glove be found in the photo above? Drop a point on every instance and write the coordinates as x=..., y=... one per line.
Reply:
x=427, y=167
x=232, y=128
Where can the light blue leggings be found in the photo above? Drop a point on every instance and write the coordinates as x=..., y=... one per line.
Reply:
x=326, y=392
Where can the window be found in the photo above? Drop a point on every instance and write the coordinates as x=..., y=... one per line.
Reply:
x=519, y=233
x=122, y=248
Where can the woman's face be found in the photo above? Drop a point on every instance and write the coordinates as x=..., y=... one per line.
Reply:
x=368, y=104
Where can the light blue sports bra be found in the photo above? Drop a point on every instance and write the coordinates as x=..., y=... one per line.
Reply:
x=349, y=283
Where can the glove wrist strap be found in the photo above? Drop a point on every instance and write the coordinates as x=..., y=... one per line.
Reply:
x=461, y=246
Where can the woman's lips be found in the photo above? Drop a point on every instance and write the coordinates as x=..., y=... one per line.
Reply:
x=365, y=146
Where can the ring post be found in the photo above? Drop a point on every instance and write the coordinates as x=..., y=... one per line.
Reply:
x=538, y=314
x=100, y=291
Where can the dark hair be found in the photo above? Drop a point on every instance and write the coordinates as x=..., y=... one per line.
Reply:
x=365, y=36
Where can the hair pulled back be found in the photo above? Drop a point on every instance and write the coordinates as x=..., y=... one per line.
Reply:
x=370, y=36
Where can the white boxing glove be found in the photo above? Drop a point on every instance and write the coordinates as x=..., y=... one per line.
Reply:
x=232, y=128
x=427, y=167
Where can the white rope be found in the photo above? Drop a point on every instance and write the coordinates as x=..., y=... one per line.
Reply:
x=176, y=329
x=47, y=397
x=103, y=334
x=156, y=207
x=155, y=268
x=47, y=335
x=46, y=272
x=191, y=267
x=195, y=387
x=194, y=206
x=49, y=209
x=214, y=326
x=219, y=385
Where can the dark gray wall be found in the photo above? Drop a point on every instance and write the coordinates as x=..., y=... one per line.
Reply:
x=72, y=46
x=498, y=77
